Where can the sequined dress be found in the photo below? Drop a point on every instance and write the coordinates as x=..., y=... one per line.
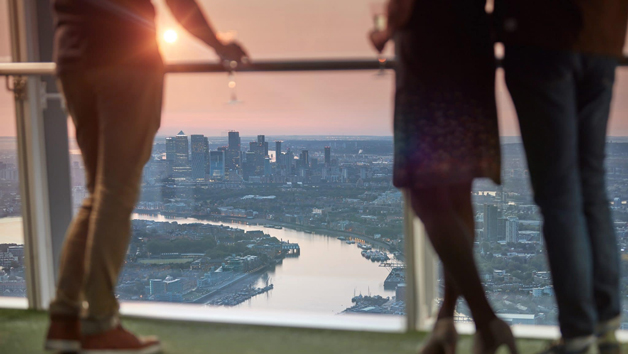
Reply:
x=445, y=120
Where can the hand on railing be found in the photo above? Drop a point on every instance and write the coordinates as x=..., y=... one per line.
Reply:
x=233, y=51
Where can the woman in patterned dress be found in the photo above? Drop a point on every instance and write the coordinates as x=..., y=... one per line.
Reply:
x=446, y=135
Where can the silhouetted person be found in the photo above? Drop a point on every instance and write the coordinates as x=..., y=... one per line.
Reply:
x=446, y=135
x=111, y=73
x=560, y=67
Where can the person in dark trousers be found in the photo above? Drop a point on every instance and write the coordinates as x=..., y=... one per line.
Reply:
x=560, y=61
x=446, y=135
x=111, y=73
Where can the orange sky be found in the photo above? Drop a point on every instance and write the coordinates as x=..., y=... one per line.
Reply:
x=338, y=103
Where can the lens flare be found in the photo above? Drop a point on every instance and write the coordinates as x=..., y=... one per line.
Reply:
x=170, y=36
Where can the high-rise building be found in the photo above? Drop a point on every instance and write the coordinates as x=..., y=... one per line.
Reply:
x=199, y=153
x=512, y=230
x=278, y=151
x=254, y=147
x=263, y=144
x=491, y=223
x=327, y=155
x=206, y=162
x=217, y=164
x=304, y=160
x=248, y=168
x=182, y=148
x=234, y=152
x=267, y=169
x=171, y=150
x=234, y=140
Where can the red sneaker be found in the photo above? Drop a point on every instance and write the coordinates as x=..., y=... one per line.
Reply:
x=119, y=341
x=64, y=334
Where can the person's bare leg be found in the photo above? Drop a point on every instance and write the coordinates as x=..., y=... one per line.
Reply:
x=450, y=237
x=464, y=209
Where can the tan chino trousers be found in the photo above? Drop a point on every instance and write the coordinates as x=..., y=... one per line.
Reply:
x=117, y=113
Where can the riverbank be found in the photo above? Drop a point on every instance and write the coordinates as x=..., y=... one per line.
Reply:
x=318, y=231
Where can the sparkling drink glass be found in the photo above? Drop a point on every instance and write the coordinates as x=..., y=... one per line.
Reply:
x=380, y=21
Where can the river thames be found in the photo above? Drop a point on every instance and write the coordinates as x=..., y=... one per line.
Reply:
x=324, y=278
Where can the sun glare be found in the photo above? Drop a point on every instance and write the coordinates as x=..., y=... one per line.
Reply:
x=170, y=36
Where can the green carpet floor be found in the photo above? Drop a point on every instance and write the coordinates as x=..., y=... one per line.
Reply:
x=22, y=332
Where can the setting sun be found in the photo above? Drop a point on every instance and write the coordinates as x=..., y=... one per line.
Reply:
x=170, y=36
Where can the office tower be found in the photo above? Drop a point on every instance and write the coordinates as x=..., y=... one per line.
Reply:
x=248, y=167
x=234, y=152
x=491, y=222
x=278, y=151
x=263, y=144
x=217, y=164
x=304, y=160
x=199, y=153
x=206, y=161
x=512, y=230
x=327, y=155
x=267, y=169
x=182, y=148
x=171, y=150
x=234, y=140
x=288, y=160
x=254, y=147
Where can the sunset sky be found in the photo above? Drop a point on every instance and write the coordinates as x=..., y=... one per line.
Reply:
x=326, y=103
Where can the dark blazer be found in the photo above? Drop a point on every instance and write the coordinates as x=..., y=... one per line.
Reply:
x=587, y=26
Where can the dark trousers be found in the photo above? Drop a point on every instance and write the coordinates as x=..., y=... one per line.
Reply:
x=563, y=103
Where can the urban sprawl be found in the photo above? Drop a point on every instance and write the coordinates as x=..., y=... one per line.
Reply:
x=338, y=187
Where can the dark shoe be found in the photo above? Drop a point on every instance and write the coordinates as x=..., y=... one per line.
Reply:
x=443, y=338
x=119, y=341
x=560, y=348
x=501, y=336
x=608, y=344
x=64, y=334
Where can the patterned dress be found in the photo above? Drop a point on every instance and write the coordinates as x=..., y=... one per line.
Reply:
x=445, y=113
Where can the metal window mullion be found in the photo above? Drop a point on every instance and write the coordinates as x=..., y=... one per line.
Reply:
x=421, y=267
x=412, y=300
x=31, y=160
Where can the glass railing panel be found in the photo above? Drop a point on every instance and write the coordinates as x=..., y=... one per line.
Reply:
x=12, y=281
x=280, y=202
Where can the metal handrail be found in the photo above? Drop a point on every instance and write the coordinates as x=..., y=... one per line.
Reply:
x=25, y=69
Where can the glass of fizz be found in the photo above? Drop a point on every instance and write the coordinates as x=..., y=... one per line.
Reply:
x=380, y=21
x=231, y=65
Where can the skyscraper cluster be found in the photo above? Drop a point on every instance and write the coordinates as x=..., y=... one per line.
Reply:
x=190, y=159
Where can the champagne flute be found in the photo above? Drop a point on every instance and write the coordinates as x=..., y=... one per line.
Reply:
x=231, y=65
x=380, y=21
